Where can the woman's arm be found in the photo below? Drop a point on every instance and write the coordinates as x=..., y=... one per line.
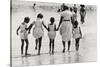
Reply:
x=45, y=26
x=72, y=20
x=17, y=30
x=60, y=22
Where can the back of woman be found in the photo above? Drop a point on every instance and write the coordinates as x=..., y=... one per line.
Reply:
x=66, y=14
x=66, y=27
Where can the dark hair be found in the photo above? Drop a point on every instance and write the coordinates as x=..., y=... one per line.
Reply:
x=52, y=19
x=26, y=19
x=74, y=4
x=82, y=5
x=40, y=16
x=65, y=7
x=34, y=4
x=71, y=9
x=76, y=23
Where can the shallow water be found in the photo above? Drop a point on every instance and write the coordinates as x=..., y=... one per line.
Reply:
x=88, y=43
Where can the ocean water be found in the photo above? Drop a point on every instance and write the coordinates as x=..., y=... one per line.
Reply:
x=88, y=44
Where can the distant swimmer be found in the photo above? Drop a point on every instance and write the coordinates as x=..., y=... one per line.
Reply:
x=82, y=13
x=34, y=6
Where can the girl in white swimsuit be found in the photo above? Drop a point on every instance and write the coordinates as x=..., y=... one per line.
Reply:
x=37, y=31
x=51, y=34
x=77, y=34
x=24, y=34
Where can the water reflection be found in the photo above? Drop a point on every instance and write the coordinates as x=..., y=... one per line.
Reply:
x=25, y=61
x=77, y=57
x=57, y=58
x=73, y=57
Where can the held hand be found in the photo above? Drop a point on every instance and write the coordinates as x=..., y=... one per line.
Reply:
x=57, y=29
x=81, y=37
x=17, y=33
x=28, y=32
x=58, y=10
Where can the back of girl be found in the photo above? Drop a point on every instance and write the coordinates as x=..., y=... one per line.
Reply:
x=38, y=30
x=38, y=23
x=24, y=34
x=76, y=34
x=23, y=31
x=76, y=30
x=52, y=32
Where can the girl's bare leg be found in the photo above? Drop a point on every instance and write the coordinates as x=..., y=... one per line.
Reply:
x=50, y=46
x=26, y=49
x=36, y=41
x=53, y=46
x=22, y=46
x=69, y=45
x=77, y=43
x=63, y=46
x=40, y=40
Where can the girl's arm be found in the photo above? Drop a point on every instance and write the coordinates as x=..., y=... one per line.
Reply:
x=60, y=22
x=85, y=12
x=30, y=27
x=17, y=30
x=80, y=31
x=45, y=26
x=55, y=28
x=72, y=30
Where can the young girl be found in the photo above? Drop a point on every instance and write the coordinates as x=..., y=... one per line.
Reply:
x=38, y=31
x=82, y=13
x=76, y=34
x=52, y=34
x=24, y=34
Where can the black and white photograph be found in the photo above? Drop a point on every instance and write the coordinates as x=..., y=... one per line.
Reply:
x=48, y=33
